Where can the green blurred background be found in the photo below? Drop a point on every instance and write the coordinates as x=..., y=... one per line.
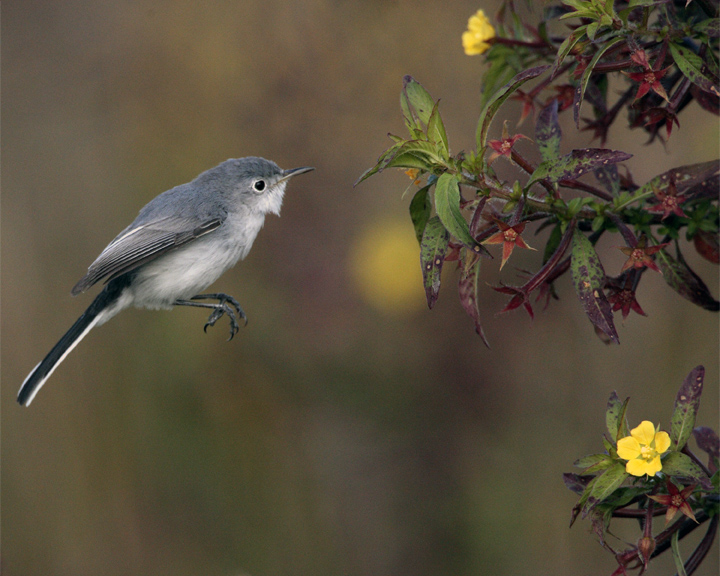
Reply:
x=334, y=434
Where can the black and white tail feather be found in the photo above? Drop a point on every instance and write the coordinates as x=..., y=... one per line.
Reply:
x=89, y=319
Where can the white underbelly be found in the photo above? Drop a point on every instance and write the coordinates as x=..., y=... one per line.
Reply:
x=183, y=273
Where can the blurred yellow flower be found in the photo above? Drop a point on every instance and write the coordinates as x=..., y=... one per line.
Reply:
x=385, y=267
x=475, y=39
x=642, y=449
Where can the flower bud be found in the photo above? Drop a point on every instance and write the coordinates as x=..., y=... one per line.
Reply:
x=646, y=546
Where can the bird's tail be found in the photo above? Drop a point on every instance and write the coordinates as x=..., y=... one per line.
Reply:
x=96, y=312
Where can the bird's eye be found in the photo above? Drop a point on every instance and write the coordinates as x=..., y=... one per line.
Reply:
x=259, y=185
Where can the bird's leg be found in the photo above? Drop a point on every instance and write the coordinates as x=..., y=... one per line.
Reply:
x=225, y=305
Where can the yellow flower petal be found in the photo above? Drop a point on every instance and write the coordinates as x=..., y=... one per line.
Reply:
x=662, y=442
x=636, y=467
x=645, y=433
x=628, y=448
x=653, y=467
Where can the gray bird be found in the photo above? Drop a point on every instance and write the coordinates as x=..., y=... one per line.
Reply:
x=180, y=243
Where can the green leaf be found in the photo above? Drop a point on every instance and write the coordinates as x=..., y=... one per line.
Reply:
x=425, y=151
x=675, y=546
x=577, y=163
x=711, y=27
x=589, y=460
x=679, y=465
x=433, y=248
x=623, y=495
x=381, y=163
x=503, y=64
x=420, y=208
x=565, y=48
x=594, y=463
x=687, y=403
x=436, y=130
x=498, y=98
x=588, y=278
x=592, y=29
x=605, y=485
x=548, y=133
x=609, y=447
x=615, y=417
x=588, y=72
x=552, y=243
x=416, y=103
x=419, y=154
x=447, y=206
x=690, y=64
x=681, y=278
x=591, y=13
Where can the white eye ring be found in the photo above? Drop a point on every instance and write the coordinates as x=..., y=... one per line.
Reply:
x=259, y=185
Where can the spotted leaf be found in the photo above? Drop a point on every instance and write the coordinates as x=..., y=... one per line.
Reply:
x=576, y=164
x=687, y=403
x=433, y=248
x=548, y=133
x=588, y=277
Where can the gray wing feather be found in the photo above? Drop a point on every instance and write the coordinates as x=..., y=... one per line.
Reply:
x=141, y=244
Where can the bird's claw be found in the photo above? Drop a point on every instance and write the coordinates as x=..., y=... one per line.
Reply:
x=226, y=305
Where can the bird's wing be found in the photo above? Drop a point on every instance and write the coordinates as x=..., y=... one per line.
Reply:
x=141, y=244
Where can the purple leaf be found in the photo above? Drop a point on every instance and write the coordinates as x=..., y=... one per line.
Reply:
x=609, y=177
x=708, y=441
x=548, y=133
x=681, y=278
x=686, y=177
x=577, y=482
x=580, y=162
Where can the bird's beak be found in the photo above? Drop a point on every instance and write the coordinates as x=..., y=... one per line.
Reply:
x=294, y=172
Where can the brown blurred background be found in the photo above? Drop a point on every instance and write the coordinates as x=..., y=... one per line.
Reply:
x=333, y=435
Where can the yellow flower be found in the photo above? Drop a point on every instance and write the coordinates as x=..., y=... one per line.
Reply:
x=475, y=39
x=642, y=449
x=412, y=173
x=384, y=264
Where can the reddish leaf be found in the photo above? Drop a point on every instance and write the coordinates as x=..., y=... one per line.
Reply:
x=681, y=278
x=467, y=288
x=706, y=244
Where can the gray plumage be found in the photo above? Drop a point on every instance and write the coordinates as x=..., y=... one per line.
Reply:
x=180, y=243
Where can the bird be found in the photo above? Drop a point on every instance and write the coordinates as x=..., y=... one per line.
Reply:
x=179, y=244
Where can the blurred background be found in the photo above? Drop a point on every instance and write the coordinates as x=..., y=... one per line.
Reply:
x=346, y=429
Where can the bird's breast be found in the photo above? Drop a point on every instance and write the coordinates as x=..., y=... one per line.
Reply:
x=185, y=272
